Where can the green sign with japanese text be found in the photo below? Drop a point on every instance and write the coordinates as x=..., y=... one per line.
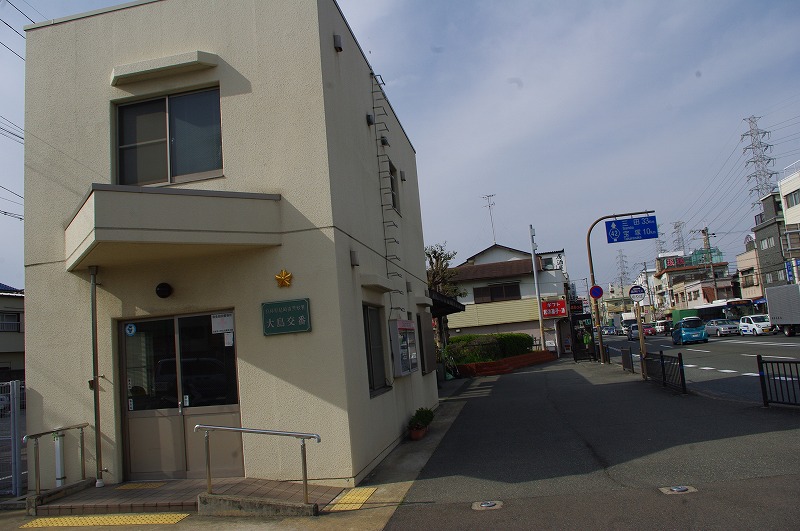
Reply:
x=286, y=317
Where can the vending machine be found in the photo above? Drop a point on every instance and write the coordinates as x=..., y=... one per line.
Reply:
x=403, y=340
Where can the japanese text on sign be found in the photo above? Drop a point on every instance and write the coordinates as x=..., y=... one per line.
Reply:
x=628, y=230
x=285, y=317
x=554, y=308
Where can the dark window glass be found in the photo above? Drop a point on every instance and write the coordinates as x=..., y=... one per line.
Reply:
x=374, y=344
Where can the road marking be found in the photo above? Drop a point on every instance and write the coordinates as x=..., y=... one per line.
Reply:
x=768, y=356
x=750, y=374
x=771, y=344
x=708, y=368
x=698, y=350
x=689, y=366
x=727, y=370
x=354, y=499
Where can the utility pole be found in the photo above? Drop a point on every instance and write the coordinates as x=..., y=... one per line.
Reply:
x=709, y=255
x=761, y=175
x=490, y=204
x=536, y=286
x=649, y=291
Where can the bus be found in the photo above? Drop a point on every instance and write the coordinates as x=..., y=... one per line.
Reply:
x=725, y=309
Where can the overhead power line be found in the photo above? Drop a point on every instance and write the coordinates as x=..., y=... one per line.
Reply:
x=12, y=51
x=11, y=215
x=20, y=11
x=11, y=191
x=12, y=28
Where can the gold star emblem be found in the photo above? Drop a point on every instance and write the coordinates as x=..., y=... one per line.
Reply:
x=284, y=279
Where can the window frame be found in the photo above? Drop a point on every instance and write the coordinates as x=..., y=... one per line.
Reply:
x=375, y=348
x=169, y=142
x=10, y=322
x=394, y=186
x=489, y=293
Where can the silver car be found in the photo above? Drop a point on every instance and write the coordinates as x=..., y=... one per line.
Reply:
x=722, y=327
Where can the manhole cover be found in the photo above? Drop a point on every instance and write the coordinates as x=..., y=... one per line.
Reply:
x=678, y=489
x=488, y=505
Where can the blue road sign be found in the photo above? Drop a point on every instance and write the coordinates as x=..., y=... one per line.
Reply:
x=636, y=293
x=631, y=230
x=596, y=292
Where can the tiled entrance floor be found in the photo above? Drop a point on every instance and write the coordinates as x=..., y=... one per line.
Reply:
x=178, y=496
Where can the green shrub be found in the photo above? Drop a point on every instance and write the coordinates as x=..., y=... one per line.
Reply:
x=421, y=418
x=471, y=348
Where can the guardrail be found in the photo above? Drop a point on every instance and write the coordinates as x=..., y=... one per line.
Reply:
x=37, y=436
x=302, y=436
x=666, y=369
x=780, y=381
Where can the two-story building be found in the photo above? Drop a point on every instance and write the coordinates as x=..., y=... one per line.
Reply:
x=501, y=295
x=222, y=227
x=12, y=333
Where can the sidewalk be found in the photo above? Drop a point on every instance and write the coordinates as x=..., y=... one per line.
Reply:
x=572, y=446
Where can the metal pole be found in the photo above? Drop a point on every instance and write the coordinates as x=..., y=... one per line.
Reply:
x=208, y=461
x=305, y=470
x=536, y=286
x=83, y=462
x=595, y=306
x=98, y=441
x=36, y=460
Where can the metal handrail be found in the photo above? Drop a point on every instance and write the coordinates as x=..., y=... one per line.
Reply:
x=36, y=436
x=296, y=435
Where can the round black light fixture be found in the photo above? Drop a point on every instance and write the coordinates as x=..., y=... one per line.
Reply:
x=163, y=290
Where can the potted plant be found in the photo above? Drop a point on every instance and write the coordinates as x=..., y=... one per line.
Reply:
x=418, y=425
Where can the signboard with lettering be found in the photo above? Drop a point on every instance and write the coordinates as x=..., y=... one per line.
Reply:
x=554, y=308
x=286, y=317
x=631, y=230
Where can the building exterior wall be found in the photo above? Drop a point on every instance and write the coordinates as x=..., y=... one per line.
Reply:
x=749, y=276
x=791, y=214
x=12, y=337
x=293, y=125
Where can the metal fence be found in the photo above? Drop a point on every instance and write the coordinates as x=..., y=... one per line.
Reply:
x=13, y=457
x=780, y=381
x=666, y=369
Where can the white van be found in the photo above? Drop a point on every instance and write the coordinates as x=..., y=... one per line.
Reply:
x=663, y=327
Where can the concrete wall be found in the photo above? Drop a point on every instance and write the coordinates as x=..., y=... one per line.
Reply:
x=290, y=126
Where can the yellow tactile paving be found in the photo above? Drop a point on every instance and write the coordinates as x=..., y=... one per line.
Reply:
x=129, y=486
x=106, y=519
x=354, y=499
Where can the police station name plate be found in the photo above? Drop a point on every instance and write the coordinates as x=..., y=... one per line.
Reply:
x=286, y=317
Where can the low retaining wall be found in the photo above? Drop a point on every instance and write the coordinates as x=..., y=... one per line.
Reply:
x=506, y=365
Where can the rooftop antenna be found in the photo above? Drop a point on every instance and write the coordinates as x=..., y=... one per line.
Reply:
x=490, y=204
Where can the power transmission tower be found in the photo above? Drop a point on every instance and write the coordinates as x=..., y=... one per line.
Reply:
x=677, y=234
x=490, y=204
x=622, y=265
x=661, y=246
x=758, y=148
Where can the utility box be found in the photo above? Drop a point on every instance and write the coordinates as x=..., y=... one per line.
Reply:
x=403, y=341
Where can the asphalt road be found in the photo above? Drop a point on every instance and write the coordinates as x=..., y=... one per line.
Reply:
x=587, y=446
x=724, y=367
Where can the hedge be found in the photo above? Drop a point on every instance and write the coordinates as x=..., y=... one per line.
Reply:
x=471, y=348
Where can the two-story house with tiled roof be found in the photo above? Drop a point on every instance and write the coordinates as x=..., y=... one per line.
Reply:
x=501, y=295
x=12, y=333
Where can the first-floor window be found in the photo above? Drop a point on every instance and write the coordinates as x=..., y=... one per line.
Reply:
x=373, y=338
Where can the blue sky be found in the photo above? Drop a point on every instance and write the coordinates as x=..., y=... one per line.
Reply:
x=566, y=111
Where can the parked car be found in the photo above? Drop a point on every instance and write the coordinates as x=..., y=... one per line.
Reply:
x=633, y=332
x=756, y=324
x=648, y=329
x=688, y=330
x=722, y=327
x=663, y=327
x=609, y=330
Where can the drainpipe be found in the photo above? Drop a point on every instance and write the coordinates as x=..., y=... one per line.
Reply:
x=96, y=379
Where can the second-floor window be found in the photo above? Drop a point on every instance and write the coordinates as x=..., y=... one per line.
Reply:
x=9, y=322
x=171, y=139
x=792, y=199
x=497, y=292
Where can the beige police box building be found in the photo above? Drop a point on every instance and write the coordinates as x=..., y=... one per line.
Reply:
x=222, y=191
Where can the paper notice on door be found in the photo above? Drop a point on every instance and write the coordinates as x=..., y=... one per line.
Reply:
x=228, y=339
x=221, y=323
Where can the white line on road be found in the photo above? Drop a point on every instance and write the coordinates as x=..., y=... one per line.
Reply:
x=768, y=356
x=750, y=374
x=727, y=370
x=698, y=350
x=708, y=368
